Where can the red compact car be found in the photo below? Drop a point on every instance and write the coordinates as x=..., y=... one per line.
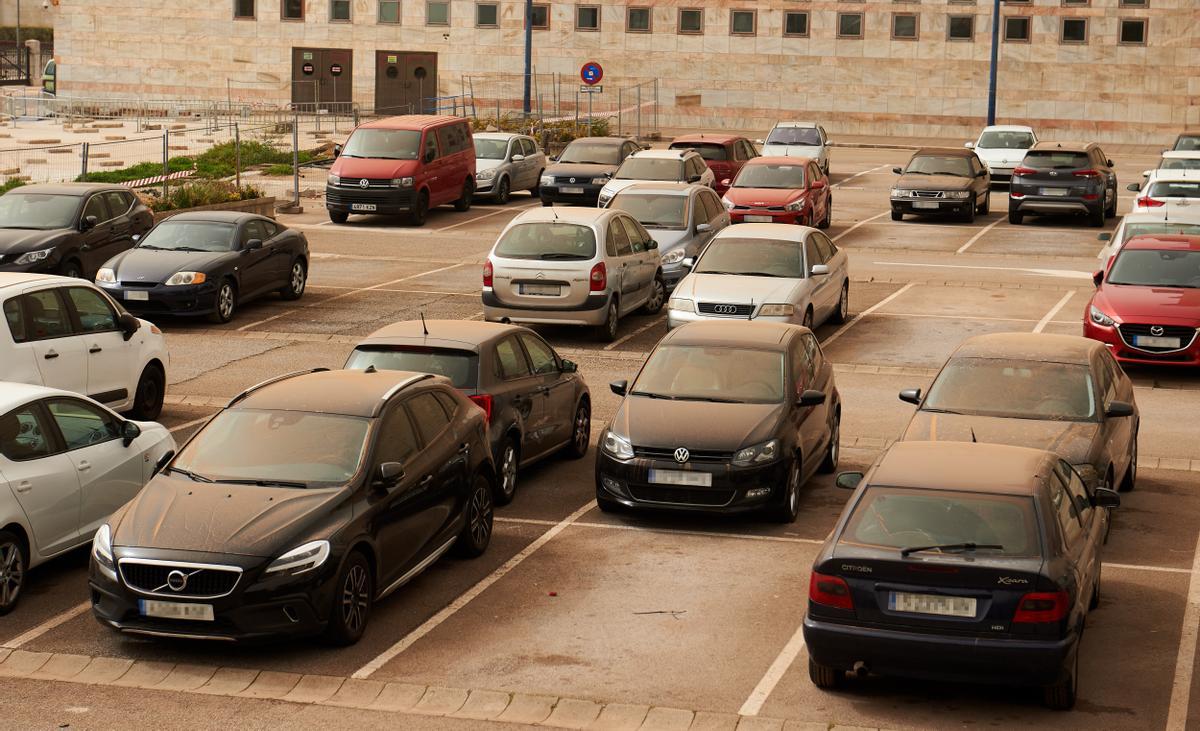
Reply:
x=780, y=190
x=1146, y=308
x=724, y=154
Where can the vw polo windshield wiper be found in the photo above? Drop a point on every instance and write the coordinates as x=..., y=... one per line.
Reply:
x=651, y=394
x=713, y=399
x=192, y=475
x=264, y=483
x=954, y=547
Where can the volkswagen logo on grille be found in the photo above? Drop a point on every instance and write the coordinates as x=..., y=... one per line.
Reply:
x=177, y=580
x=725, y=309
x=1156, y=330
x=681, y=455
x=363, y=183
x=1053, y=174
x=570, y=180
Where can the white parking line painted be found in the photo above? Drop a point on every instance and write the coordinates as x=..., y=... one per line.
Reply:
x=626, y=338
x=398, y=291
x=49, y=624
x=979, y=235
x=852, y=177
x=1181, y=689
x=671, y=531
x=860, y=223
x=774, y=674
x=1133, y=567
x=451, y=609
x=191, y=423
x=881, y=303
x=1061, y=273
x=1042, y=323
x=486, y=215
x=363, y=229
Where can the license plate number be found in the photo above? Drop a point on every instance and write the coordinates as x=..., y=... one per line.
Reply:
x=948, y=606
x=928, y=205
x=362, y=206
x=544, y=290
x=1150, y=341
x=571, y=191
x=137, y=296
x=176, y=610
x=1055, y=191
x=759, y=219
x=679, y=477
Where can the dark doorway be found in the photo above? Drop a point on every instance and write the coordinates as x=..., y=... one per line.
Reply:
x=322, y=78
x=405, y=82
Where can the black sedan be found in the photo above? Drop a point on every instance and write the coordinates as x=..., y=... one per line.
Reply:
x=959, y=561
x=68, y=228
x=940, y=181
x=535, y=402
x=307, y=499
x=585, y=165
x=723, y=417
x=208, y=263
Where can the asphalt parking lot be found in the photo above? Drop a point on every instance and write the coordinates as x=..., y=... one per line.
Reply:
x=626, y=615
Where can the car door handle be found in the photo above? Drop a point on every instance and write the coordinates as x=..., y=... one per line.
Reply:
x=464, y=448
x=50, y=355
x=95, y=349
x=543, y=389
x=84, y=465
x=425, y=481
x=24, y=486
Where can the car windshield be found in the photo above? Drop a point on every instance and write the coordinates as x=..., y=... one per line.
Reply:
x=650, y=168
x=939, y=165
x=1053, y=160
x=807, y=136
x=707, y=150
x=487, y=148
x=190, y=236
x=547, y=240
x=37, y=210
x=1188, y=142
x=1156, y=268
x=1179, y=163
x=385, y=144
x=1174, y=189
x=460, y=366
x=1021, y=389
x=760, y=175
x=595, y=153
x=1006, y=140
x=712, y=373
x=1159, y=227
x=753, y=257
x=895, y=517
x=312, y=450
x=653, y=210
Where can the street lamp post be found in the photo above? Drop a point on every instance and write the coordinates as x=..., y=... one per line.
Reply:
x=991, y=117
x=528, y=55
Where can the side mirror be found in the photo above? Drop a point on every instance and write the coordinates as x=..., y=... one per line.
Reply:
x=164, y=460
x=88, y=223
x=518, y=157
x=1146, y=173
x=811, y=397
x=694, y=178
x=898, y=170
x=1105, y=498
x=911, y=396
x=136, y=238
x=818, y=184
x=819, y=270
x=1098, y=277
x=848, y=480
x=568, y=366
x=129, y=324
x=651, y=245
x=703, y=228
x=726, y=182
x=429, y=157
x=1106, y=236
x=553, y=158
x=969, y=145
x=1135, y=187
x=981, y=174
x=252, y=244
x=337, y=150
x=1110, y=163
x=388, y=475
x=689, y=262
x=619, y=387
x=129, y=432
x=759, y=142
x=1117, y=409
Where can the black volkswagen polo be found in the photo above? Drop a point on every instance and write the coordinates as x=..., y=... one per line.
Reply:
x=723, y=417
x=293, y=510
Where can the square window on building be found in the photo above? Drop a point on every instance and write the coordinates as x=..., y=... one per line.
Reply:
x=243, y=9
x=1076, y=2
x=291, y=9
x=905, y=26
x=1133, y=31
x=1074, y=30
x=960, y=28
x=691, y=20
x=539, y=16
x=1135, y=3
x=437, y=13
x=1017, y=29
x=339, y=10
x=587, y=17
x=850, y=25
x=795, y=24
x=389, y=11
x=487, y=15
x=962, y=2
x=743, y=22
x=637, y=20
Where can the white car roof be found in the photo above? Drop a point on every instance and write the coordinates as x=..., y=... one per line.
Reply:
x=582, y=215
x=797, y=124
x=14, y=394
x=774, y=231
x=1181, y=154
x=1155, y=215
x=22, y=279
x=1160, y=174
x=496, y=135
x=677, y=153
x=1008, y=128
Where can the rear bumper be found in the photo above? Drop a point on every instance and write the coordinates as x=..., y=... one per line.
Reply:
x=1040, y=204
x=594, y=311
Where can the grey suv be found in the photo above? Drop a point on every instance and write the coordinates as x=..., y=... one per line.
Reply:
x=1063, y=177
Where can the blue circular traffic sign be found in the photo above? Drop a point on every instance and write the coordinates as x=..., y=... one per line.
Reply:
x=591, y=73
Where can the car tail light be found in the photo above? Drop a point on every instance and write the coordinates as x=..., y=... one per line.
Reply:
x=1148, y=202
x=831, y=591
x=1091, y=196
x=1042, y=607
x=487, y=273
x=1089, y=173
x=1023, y=171
x=599, y=277
x=484, y=401
x=1016, y=195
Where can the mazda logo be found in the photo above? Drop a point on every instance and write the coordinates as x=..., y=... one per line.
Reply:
x=681, y=455
x=725, y=309
x=177, y=580
x=1156, y=330
x=363, y=183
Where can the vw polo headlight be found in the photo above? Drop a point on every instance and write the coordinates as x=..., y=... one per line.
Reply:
x=758, y=454
x=547, y=180
x=300, y=559
x=617, y=446
x=182, y=278
x=31, y=257
x=601, y=180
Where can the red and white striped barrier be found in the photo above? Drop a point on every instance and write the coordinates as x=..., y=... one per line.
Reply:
x=141, y=182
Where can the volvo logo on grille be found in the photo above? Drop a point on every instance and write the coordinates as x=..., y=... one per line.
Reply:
x=681, y=455
x=1156, y=330
x=363, y=183
x=725, y=309
x=177, y=580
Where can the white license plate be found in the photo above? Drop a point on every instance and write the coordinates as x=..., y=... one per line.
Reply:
x=571, y=191
x=1055, y=191
x=545, y=290
x=137, y=296
x=362, y=206
x=1149, y=341
x=176, y=610
x=678, y=477
x=949, y=606
x=759, y=219
x=928, y=205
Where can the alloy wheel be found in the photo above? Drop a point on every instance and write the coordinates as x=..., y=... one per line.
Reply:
x=502, y=191
x=583, y=428
x=12, y=573
x=298, y=279
x=793, y=496
x=355, y=599
x=225, y=302
x=658, y=293
x=479, y=514
x=844, y=304
x=508, y=470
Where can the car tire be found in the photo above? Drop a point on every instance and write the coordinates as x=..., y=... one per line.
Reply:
x=352, y=600
x=658, y=296
x=14, y=558
x=581, y=430
x=825, y=677
x=808, y=319
x=477, y=528
x=536, y=190
x=297, y=281
x=502, y=191
x=829, y=463
x=1096, y=217
x=226, y=303
x=1094, y=601
x=1015, y=217
x=463, y=203
x=71, y=268
x=339, y=216
x=842, y=313
x=507, y=471
x=1129, y=481
x=1111, y=211
x=148, y=398
x=420, y=211
x=1061, y=695
x=607, y=331
x=986, y=208
x=969, y=216
x=897, y=216
x=827, y=221
x=788, y=507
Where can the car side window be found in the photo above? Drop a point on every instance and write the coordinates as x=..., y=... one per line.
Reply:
x=45, y=315
x=398, y=438
x=620, y=237
x=750, y=151
x=447, y=401
x=637, y=240
x=451, y=139
x=431, y=145
x=94, y=312
x=813, y=350
x=118, y=203
x=15, y=319
x=803, y=369
x=23, y=435
x=429, y=415
x=812, y=257
x=270, y=229
x=95, y=207
x=824, y=245
x=510, y=360
x=703, y=208
x=540, y=354
x=1065, y=511
x=82, y=424
x=1079, y=494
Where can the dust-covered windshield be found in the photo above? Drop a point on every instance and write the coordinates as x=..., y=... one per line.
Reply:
x=711, y=373
x=1023, y=389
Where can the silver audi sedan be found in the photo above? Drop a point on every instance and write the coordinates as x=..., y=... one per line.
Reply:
x=765, y=271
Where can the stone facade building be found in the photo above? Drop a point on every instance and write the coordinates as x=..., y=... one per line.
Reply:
x=1111, y=70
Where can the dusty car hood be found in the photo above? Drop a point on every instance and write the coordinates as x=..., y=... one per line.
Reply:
x=761, y=197
x=354, y=168
x=482, y=164
x=1161, y=305
x=777, y=150
x=148, y=265
x=179, y=514
x=934, y=182
x=737, y=289
x=697, y=425
x=21, y=240
x=1071, y=440
x=669, y=238
x=1000, y=156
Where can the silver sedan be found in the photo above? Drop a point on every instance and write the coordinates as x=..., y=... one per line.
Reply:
x=505, y=162
x=681, y=217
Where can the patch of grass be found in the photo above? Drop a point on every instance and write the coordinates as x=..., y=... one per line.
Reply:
x=14, y=183
x=279, y=169
x=137, y=172
x=204, y=193
x=215, y=163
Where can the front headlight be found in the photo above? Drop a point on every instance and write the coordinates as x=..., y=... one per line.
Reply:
x=547, y=180
x=600, y=181
x=106, y=275
x=674, y=256
x=681, y=305
x=728, y=203
x=333, y=179
x=901, y=192
x=401, y=182
x=777, y=310
x=30, y=257
x=958, y=194
x=181, y=278
x=102, y=552
x=1099, y=317
x=300, y=559
x=795, y=205
x=617, y=446
x=758, y=454
x=486, y=174
x=604, y=199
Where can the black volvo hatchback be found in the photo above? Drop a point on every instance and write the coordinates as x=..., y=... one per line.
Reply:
x=293, y=510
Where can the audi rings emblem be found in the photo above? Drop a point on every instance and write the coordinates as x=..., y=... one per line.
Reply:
x=364, y=183
x=177, y=580
x=681, y=455
x=1156, y=330
x=725, y=309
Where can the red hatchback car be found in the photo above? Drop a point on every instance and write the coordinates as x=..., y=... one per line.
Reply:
x=724, y=154
x=780, y=190
x=1146, y=308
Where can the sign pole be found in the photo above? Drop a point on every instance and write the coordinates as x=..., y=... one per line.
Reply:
x=589, y=130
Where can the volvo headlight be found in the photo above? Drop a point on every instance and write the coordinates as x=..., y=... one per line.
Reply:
x=29, y=257
x=486, y=174
x=674, y=256
x=617, y=446
x=106, y=275
x=758, y=454
x=681, y=305
x=1099, y=317
x=182, y=278
x=333, y=179
x=777, y=310
x=102, y=552
x=401, y=182
x=300, y=559
x=958, y=194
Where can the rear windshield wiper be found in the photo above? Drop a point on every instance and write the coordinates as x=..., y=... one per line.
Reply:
x=954, y=547
x=192, y=475
x=264, y=483
x=562, y=255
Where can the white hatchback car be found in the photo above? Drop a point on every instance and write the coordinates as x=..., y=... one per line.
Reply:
x=659, y=166
x=1178, y=190
x=505, y=162
x=1002, y=147
x=66, y=464
x=66, y=333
